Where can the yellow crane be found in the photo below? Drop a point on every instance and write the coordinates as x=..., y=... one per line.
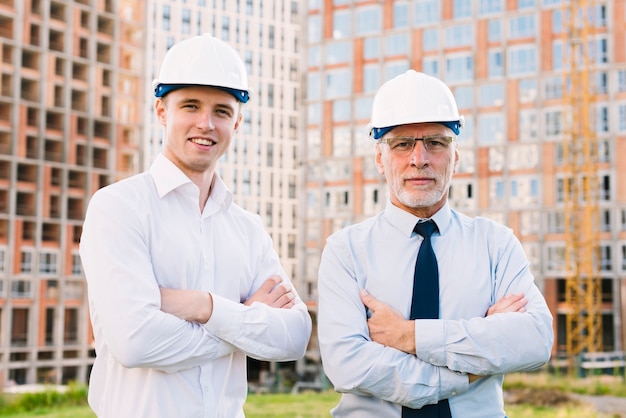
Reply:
x=583, y=291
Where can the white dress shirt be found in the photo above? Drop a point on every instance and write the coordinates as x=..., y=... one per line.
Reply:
x=145, y=232
x=479, y=262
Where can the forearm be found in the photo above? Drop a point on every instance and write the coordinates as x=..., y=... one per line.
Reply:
x=262, y=332
x=498, y=344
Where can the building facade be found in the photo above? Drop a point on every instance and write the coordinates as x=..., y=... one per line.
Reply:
x=505, y=63
x=77, y=113
x=70, y=123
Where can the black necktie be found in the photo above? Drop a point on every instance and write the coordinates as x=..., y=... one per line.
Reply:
x=425, y=305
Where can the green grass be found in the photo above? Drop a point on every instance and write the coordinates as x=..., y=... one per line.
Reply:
x=314, y=405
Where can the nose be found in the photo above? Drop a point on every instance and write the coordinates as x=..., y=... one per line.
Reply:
x=419, y=155
x=205, y=121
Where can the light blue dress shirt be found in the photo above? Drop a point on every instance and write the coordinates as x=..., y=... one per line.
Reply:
x=479, y=261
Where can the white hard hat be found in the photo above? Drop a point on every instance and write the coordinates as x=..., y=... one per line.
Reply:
x=202, y=61
x=413, y=97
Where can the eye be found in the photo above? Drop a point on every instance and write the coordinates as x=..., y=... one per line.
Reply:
x=403, y=143
x=436, y=142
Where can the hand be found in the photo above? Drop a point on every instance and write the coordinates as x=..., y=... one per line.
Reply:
x=509, y=303
x=387, y=326
x=190, y=305
x=273, y=293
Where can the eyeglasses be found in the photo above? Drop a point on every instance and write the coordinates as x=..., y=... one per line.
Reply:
x=404, y=145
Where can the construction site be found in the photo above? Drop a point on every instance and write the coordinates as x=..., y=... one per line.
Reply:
x=541, y=84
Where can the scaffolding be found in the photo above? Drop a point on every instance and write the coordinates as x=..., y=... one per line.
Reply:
x=583, y=291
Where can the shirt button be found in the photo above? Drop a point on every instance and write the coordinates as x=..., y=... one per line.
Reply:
x=453, y=393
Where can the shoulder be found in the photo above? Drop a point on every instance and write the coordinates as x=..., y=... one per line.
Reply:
x=130, y=190
x=480, y=226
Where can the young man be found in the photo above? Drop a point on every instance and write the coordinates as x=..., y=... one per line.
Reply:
x=485, y=316
x=184, y=284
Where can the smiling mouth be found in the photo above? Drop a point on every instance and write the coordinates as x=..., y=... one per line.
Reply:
x=202, y=141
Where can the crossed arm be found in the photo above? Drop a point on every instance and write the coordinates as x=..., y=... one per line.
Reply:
x=389, y=328
x=197, y=305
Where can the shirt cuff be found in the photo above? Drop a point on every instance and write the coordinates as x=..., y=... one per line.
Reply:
x=226, y=318
x=452, y=383
x=430, y=344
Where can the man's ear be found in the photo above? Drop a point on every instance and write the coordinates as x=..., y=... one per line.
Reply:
x=159, y=107
x=378, y=159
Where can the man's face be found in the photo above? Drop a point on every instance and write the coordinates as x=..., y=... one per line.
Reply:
x=199, y=123
x=418, y=182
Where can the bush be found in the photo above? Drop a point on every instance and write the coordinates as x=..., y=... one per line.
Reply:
x=75, y=395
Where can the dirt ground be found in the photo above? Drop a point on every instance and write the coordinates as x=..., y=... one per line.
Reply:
x=611, y=405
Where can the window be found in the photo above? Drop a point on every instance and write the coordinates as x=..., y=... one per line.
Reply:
x=459, y=68
x=394, y=68
x=314, y=86
x=397, y=44
x=430, y=66
x=186, y=21
x=400, y=15
x=599, y=51
x=525, y=4
x=522, y=27
x=341, y=110
x=601, y=82
x=522, y=60
x=362, y=110
x=621, y=117
x=495, y=67
x=315, y=58
x=338, y=83
x=523, y=156
x=621, y=80
x=167, y=15
x=314, y=29
x=371, y=48
x=556, y=222
x=371, y=78
x=554, y=122
x=342, y=25
x=430, y=40
x=338, y=52
x=47, y=263
x=3, y=253
x=553, y=88
x=528, y=127
x=77, y=266
x=464, y=97
x=342, y=141
x=459, y=35
x=461, y=9
x=368, y=20
x=496, y=191
x=605, y=220
x=602, y=119
x=21, y=289
x=26, y=264
x=606, y=262
x=489, y=7
x=530, y=222
x=491, y=95
x=494, y=31
x=491, y=128
x=558, y=55
x=427, y=12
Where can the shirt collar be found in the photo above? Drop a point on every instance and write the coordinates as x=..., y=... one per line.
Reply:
x=167, y=177
x=405, y=221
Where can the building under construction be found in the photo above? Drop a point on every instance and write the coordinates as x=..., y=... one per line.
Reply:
x=541, y=84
